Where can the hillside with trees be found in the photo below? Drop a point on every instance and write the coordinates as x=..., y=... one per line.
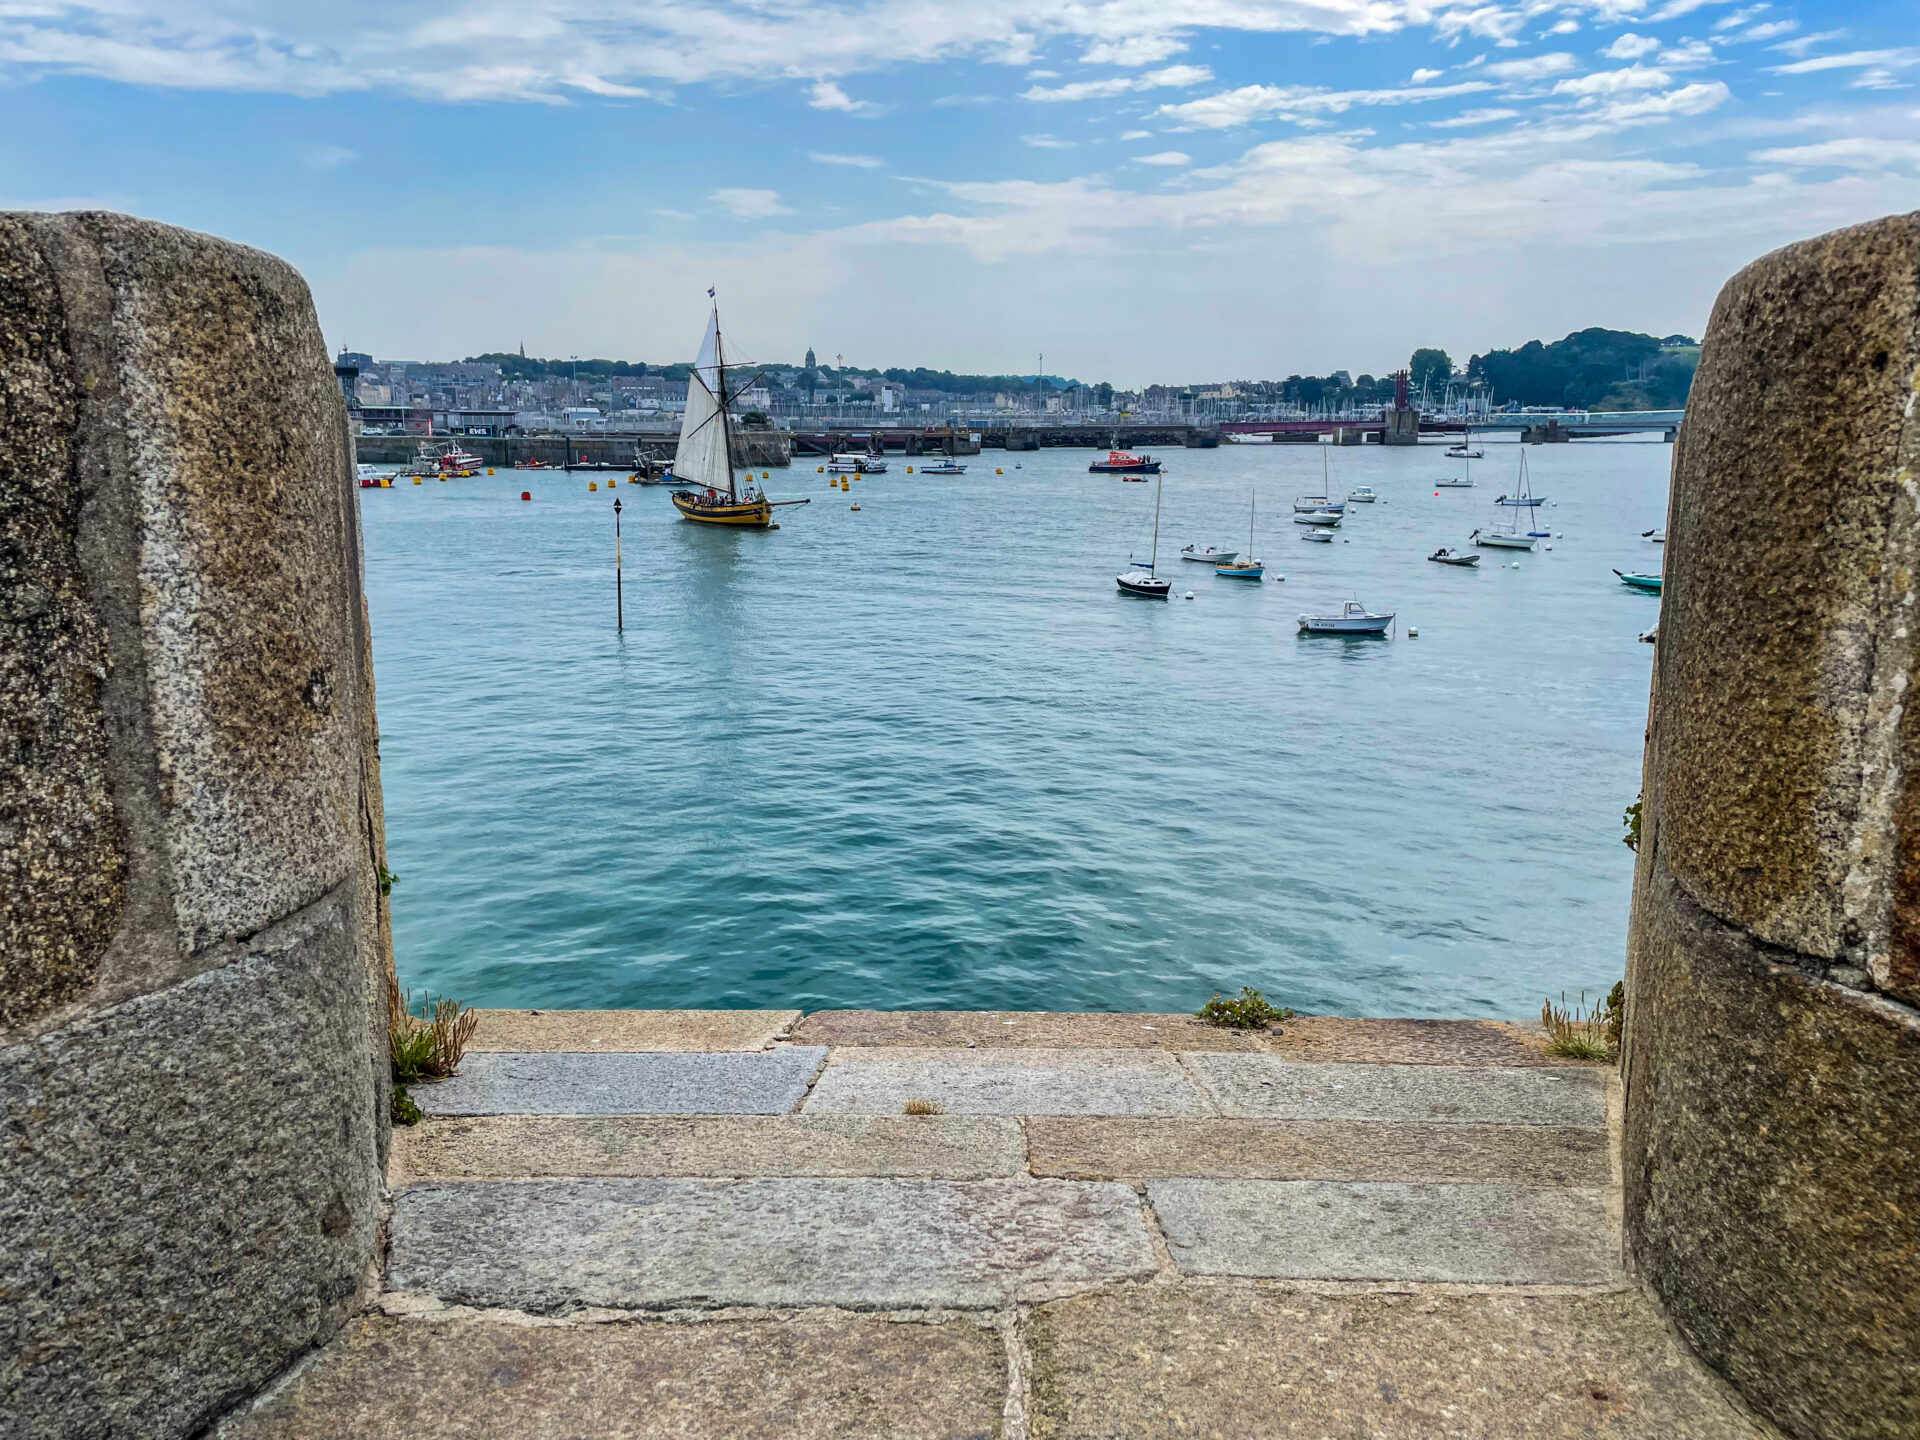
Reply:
x=1592, y=370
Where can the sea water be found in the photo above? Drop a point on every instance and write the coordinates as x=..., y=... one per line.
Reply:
x=924, y=754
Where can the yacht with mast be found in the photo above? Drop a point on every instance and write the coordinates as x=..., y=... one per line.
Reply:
x=1139, y=579
x=702, y=469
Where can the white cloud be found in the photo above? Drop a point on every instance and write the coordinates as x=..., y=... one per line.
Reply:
x=864, y=162
x=1613, y=82
x=1249, y=103
x=750, y=204
x=1136, y=135
x=1854, y=152
x=1801, y=44
x=1043, y=74
x=1851, y=60
x=1688, y=55
x=1687, y=100
x=1466, y=119
x=1674, y=9
x=1771, y=30
x=327, y=157
x=1565, y=27
x=1534, y=67
x=1133, y=50
x=1421, y=77
x=1631, y=47
x=829, y=96
x=1165, y=157
x=1488, y=22
x=1173, y=77
x=1047, y=142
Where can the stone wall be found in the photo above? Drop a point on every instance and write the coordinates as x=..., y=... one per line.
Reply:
x=193, y=944
x=1773, y=1040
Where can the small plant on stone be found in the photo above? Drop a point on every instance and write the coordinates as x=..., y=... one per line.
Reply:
x=1631, y=819
x=428, y=1045
x=405, y=1112
x=925, y=1107
x=387, y=880
x=1576, y=1033
x=1250, y=1012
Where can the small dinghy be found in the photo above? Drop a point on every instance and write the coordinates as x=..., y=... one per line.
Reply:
x=1449, y=557
x=1353, y=619
x=1654, y=537
x=1646, y=584
x=1212, y=555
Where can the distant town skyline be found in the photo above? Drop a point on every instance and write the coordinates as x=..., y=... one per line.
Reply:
x=1223, y=190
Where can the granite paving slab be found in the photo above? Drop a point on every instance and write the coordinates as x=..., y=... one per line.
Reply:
x=1146, y=1362
x=516, y=1083
x=1100, y=1148
x=1006, y=1082
x=1019, y=1029
x=1266, y=1087
x=1414, y=1042
x=809, y=1378
x=503, y=1147
x=1324, y=1230
x=595, y=1030
x=551, y=1246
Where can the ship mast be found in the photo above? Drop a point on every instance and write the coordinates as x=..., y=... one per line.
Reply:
x=726, y=427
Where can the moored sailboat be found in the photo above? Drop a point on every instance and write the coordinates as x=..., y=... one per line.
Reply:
x=1139, y=579
x=702, y=469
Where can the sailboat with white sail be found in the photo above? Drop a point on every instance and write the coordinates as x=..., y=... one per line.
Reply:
x=702, y=470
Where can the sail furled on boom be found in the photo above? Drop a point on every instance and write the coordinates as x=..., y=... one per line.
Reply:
x=702, y=458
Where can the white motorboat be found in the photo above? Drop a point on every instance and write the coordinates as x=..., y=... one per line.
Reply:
x=1353, y=619
x=852, y=464
x=1212, y=555
x=1654, y=537
x=1139, y=580
x=1461, y=452
x=1325, y=537
x=1364, y=495
x=944, y=467
x=1326, y=518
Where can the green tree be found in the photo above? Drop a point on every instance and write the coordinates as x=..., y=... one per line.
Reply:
x=1430, y=367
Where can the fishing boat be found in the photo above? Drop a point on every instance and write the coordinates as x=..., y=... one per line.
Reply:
x=1353, y=619
x=1119, y=462
x=1249, y=568
x=1139, y=580
x=702, y=469
x=1453, y=557
x=1212, y=555
x=1647, y=584
x=1327, y=519
x=850, y=463
x=1364, y=495
x=944, y=467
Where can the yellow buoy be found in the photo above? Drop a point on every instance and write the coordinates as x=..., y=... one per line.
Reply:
x=416, y=479
x=593, y=484
x=443, y=479
x=612, y=483
x=766, y=474
x=998, y=471
x=819, y=469
x=489, y=469
x=909, y=469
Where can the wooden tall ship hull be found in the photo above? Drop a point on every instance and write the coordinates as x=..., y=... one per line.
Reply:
x=754, y=514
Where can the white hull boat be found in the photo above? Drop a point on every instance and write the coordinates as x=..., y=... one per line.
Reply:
x=1503, y=539
x=856, y=465
x=1327, y=519
x=1453, y=484
x=1353, y=619
x=1365, y=495
x=1654, y=537
x=1139, y=580
x=1209, y=556
x=1325, y=537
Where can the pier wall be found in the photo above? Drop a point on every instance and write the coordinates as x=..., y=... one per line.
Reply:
x=1772, y=1058
x=193, y=942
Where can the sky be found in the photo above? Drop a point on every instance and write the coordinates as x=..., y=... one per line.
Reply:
x=1139, y=191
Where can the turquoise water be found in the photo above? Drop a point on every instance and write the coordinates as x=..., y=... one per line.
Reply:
x=924, y=755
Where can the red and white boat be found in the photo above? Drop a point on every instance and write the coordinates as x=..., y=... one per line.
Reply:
x=1119, y=462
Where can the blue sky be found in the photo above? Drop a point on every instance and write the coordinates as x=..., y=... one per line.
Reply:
x=1139, y=190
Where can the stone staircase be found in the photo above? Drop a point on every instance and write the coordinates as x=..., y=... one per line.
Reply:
x=620, y=1224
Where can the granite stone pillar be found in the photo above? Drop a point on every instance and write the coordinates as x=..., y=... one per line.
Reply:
x=1773, y=1017
x=193, y=945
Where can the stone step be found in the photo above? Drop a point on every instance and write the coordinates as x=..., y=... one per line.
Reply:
x=522, y=1083
x=1266, y=1087
x=1320, y=1230
x=1019, y=1029
x=551, y=1246
x=1283, y=1364
x=600, y=1030
x=1115, y=1148
x=506, y=1147
x=818, y=1377
x=1007, y=1082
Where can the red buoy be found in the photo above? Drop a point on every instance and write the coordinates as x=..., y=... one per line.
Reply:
x=526, y=494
